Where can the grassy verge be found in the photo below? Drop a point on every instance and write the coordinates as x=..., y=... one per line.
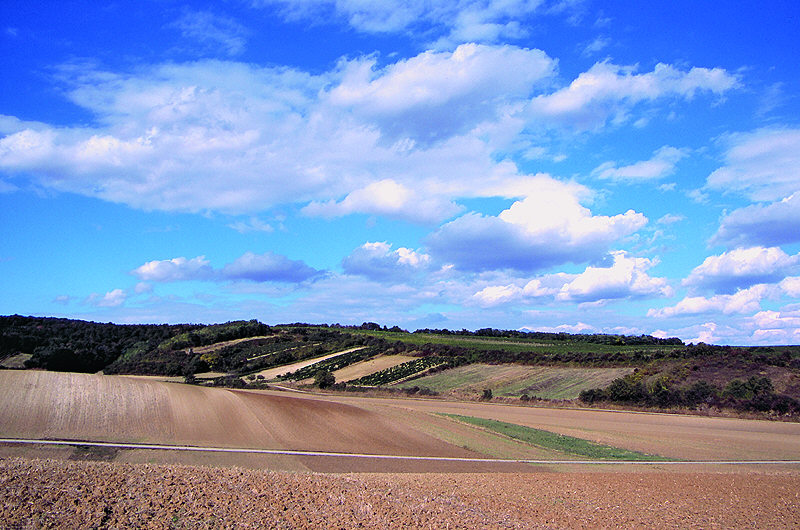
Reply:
x=558, y=442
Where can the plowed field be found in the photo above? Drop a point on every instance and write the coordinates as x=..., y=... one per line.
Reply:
x=53, y=494
x=133, y=488
x=42, y=405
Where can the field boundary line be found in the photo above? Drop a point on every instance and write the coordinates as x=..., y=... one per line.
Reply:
x=289, y=452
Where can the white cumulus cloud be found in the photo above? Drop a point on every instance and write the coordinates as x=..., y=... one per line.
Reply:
x=626, y=278
x=549, y=226
x=662, y=164
x=114, y=298
x=744, y=301
x=763, y=165
x=762, y=224
x=175, y=269
x=377, y=260
x=742, y=267
x=609, y=91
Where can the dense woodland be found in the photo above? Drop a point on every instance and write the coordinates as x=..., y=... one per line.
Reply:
x=668, y=373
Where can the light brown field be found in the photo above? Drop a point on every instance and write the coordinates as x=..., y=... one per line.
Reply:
x=40, y=405
x=382, y=362
x=272, y=373
x=131, y=491
x=673, y=435
x=52, y=405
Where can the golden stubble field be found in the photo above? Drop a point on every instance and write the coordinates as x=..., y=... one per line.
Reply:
x=168, y=489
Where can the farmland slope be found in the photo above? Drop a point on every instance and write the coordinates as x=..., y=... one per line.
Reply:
x=39, y=405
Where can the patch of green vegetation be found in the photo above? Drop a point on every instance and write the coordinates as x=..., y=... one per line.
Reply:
x=512, y=380
x=510, y=344
x=334, y=363
x=559, y=442
x=215, y=333
x=398, y=372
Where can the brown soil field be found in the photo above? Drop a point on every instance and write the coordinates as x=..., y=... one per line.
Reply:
x=673, y=435
x=272, y=373
x=52, y=405
x=54, y=494
x=42, y=405
x=382, y=362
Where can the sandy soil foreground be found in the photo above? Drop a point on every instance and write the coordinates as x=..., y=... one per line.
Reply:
x=57, y=494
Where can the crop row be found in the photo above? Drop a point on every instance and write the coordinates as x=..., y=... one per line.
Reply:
x=398, y=372
x=334, y=363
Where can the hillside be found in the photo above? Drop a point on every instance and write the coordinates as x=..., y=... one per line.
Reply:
x=642, y=371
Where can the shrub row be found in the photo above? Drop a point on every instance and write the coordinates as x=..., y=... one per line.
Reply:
x=756, y=394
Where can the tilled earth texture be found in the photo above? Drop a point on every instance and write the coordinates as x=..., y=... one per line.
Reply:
x=65, y=494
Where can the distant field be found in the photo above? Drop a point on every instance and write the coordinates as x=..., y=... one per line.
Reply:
x=272, y=373
x=371, y=366
x=219, y=345
x=514, y=345
x=513, y=380
x=16, y=362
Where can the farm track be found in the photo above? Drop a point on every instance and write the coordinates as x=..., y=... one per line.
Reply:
x=483, y=460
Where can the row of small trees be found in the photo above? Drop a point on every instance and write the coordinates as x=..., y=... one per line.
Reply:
x=756, y=393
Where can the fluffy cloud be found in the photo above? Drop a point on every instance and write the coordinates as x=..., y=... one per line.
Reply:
x=777, y=327
x=580, y=327
x=610, y=91
x=257, y=137
x=267, y=267
x=742, y=268
x=763, y=165
x=661, y=165
x=626, y=278
x=744, y=301
x=113, y=298
x=758, y=224
x=389, y=198
x=791, y=286
x=462, y=21
x=405, y=140
x=175, y=269
x=437, y=94
x=547, y=227
x=379, y=262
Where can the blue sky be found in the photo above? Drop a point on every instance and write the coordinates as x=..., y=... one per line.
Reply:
x=580, y=166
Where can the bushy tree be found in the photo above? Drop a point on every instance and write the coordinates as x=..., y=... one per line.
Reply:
x=324, y=379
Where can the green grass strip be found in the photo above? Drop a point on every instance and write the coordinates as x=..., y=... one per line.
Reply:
x=558, y=442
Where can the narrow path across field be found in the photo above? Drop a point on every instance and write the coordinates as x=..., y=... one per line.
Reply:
x=75, y=443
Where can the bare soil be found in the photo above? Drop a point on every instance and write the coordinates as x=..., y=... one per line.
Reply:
x=42, y=405
x=672, y=435
x=56, y=494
